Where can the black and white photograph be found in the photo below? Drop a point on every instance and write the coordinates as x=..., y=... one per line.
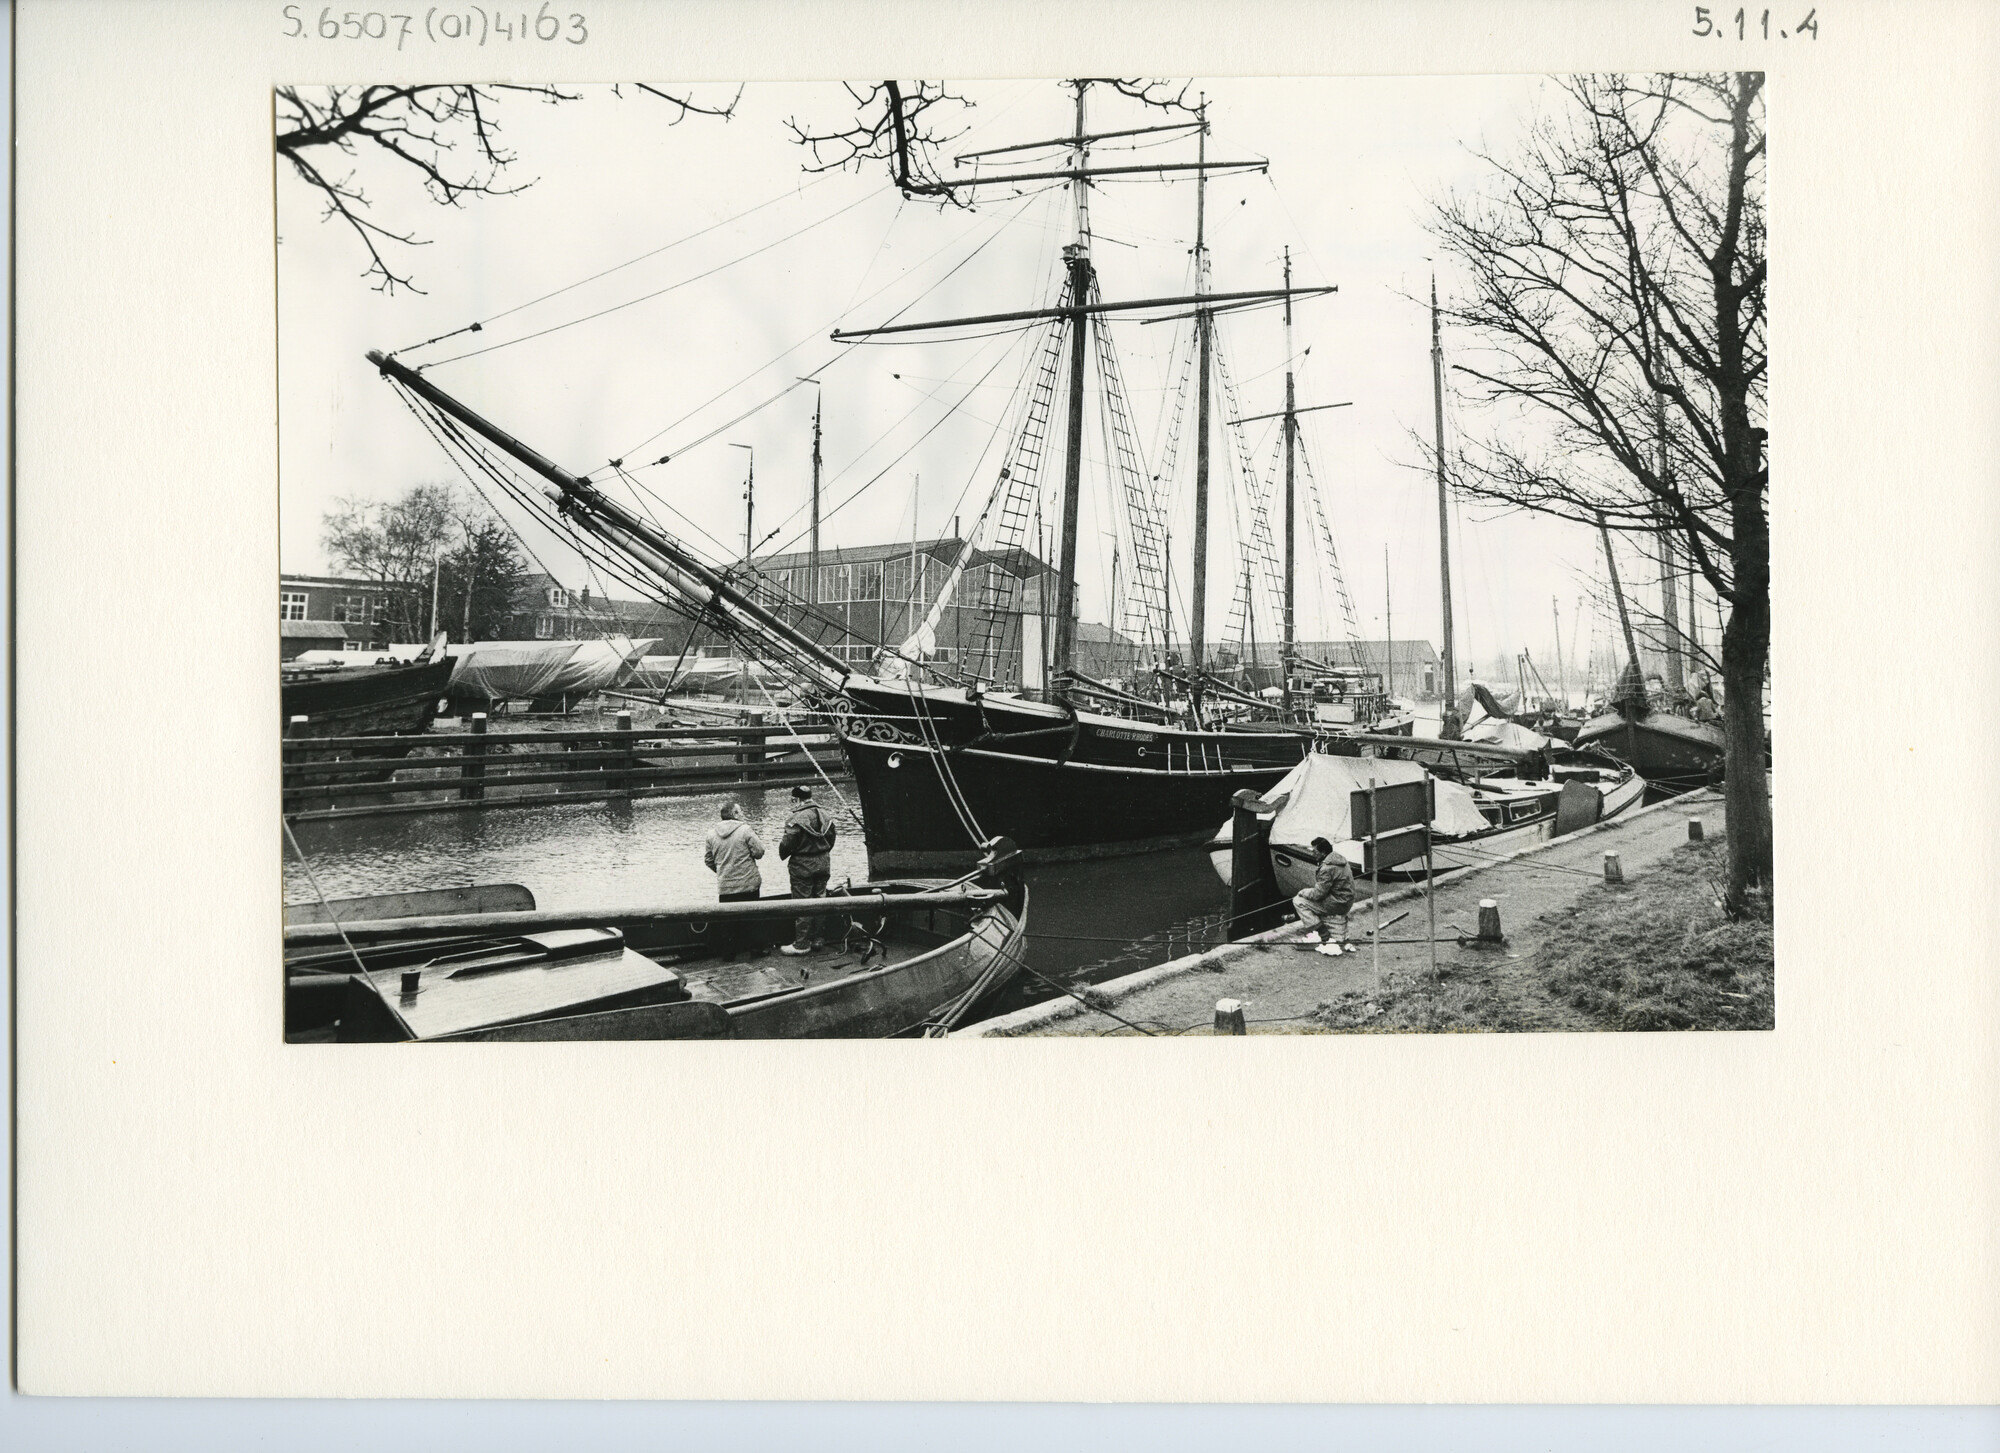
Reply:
x=1080, y=557
x=1241, y=534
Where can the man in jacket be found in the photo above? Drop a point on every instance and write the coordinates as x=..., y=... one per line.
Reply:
x=807, y=849
x=1325, y=905
x=733, y=851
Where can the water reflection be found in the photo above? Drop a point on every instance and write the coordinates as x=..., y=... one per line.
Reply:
x=1088, y=921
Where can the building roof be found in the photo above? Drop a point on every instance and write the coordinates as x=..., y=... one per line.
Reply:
x=318, y=631
x=344, y=582
x=1016, y=562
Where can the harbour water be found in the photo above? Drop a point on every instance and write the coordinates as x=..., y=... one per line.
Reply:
x=1087, y=921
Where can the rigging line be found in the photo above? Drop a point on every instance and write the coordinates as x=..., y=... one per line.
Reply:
x=1297, y=231
x=927, y=729
x=964, y=398
x=1004, y=224
x=524, y=497
x=320, y=893
x=792, y=192
x=876, y=256
x=724, y=552
x=900, y=457
x=853, y=812
x=658, y=292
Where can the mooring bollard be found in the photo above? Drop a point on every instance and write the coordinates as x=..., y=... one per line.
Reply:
x=1489, y=921
x=1694, y=829
x=472, y=775
x=1229, y=1017
x=1614, y=871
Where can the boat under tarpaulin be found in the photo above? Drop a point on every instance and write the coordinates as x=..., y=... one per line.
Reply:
x=729, y=676
x=543, y=670
x=1318, y=795
x=1470, y=825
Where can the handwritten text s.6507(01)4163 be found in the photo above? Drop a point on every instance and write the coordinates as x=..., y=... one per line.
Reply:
x=476, y=24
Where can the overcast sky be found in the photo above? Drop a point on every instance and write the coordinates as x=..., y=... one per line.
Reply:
x=911, y=429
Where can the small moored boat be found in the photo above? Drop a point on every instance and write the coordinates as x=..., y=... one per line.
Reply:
x=897, y=959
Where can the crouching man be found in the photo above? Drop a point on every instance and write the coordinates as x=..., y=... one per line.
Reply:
x=807, y=848
x=1325, y=905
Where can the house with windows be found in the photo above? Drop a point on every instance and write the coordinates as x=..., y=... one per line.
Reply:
x=547, y=610
x=860, y=598
x=866, y=596
x=334, y=613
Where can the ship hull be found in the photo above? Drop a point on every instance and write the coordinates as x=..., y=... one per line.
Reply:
x=365, y=700
x=1672, y=753
x=936, y=773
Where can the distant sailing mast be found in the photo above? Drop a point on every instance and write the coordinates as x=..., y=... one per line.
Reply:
x=1450, y=697
x=1204, y=348
x=1288, y=649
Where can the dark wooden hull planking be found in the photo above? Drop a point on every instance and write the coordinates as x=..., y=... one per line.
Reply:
x=933, y=773
x=1673, y=754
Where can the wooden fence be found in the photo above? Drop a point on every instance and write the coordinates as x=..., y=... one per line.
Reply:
x=327, y=777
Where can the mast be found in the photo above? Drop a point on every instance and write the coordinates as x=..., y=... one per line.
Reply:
x=1444, y=513
x=1077, y=256
x=1198, y=627
x=1388, y=623
x=1669, y=607
x=1618, y=594
x=1562, y=663
x=749, y=503
x=812, y=569
x=1694, y=622
x=1249, y=629
x=1288, y=644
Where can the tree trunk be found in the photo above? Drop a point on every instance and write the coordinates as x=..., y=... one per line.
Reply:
x=1746, y=651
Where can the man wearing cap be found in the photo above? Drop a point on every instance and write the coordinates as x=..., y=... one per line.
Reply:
x=1325, y=905
x=807, y=848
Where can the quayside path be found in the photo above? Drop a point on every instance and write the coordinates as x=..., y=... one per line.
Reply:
x=1280, y=980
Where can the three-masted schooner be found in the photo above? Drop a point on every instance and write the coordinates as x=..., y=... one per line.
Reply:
x=1067, y=767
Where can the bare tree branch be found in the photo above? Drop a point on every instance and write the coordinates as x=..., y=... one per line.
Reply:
x=1611, y=289
x=446, y=136
x=892, y=123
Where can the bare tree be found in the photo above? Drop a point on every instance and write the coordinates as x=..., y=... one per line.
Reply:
x=898, y=123
x=446, y=136
x=895, y=122
x=1613, y=286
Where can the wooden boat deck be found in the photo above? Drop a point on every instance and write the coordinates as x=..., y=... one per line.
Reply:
x=765, y=970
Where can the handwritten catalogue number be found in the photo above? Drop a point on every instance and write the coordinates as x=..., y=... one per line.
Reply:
x=440, y=23
x=1749, y=29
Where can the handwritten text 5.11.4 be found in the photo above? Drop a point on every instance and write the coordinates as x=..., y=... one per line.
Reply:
x=1751, y=25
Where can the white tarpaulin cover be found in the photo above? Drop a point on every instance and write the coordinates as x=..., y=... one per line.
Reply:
x=405, y=652
x=1316, y=794
x=702, y=674
x=511, y=670
x=1507, y=734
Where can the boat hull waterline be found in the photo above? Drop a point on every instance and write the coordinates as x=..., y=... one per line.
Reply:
x=938, y=771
